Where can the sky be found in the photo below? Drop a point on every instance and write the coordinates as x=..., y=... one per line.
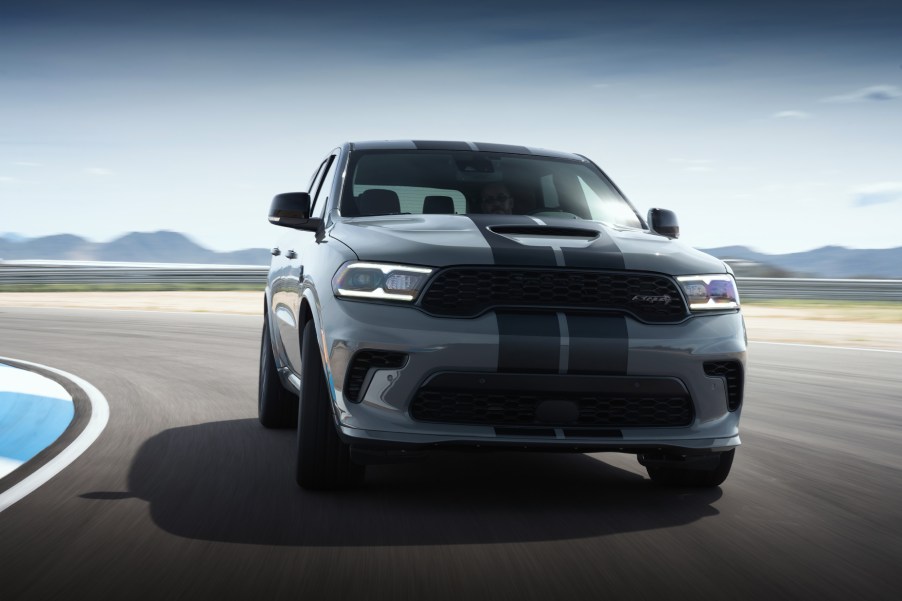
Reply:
x=775, y=125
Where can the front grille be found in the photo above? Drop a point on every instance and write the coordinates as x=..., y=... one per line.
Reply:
x=469, y=291
x=731, y=371
x=519, y=408
x=361, y=364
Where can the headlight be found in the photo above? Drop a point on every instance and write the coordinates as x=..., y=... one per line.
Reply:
x=706, y=292
x=380, y=281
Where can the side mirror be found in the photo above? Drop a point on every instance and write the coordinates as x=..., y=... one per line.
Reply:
x=664, y=222
x=292, y=209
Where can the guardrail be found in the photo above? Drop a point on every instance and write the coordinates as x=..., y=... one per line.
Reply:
x=30, y=272
x=819, y=289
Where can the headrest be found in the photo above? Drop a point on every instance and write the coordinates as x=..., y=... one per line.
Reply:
x=438, y=204
x=379, y=202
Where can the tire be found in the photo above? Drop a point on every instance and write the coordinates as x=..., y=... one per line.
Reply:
x=323, y=460
x=676, y=476
x=276, y=406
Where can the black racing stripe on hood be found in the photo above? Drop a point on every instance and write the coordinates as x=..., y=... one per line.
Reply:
x=440, y=145
x=599, y=344
x=508, y=148
x=528, y=342
x=603, y=253
x=507, y=252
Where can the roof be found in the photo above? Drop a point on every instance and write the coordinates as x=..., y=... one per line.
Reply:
x=456, y=145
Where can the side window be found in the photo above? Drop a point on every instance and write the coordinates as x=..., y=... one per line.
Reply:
x=314, y=181
x=325, y=188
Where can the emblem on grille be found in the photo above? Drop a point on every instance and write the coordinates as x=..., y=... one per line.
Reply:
x=650, y=299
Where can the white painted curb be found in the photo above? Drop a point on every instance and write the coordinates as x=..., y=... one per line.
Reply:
x=100, y=415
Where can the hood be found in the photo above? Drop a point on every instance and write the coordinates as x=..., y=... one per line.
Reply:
x=442, y=240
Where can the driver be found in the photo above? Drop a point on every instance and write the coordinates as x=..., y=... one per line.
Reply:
x=496, y=198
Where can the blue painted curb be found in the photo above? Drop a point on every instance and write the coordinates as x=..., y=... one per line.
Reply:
x=34, y=412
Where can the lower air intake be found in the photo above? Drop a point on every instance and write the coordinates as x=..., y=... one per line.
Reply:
x=731, y=372
x=525, y=409
x=361, y=365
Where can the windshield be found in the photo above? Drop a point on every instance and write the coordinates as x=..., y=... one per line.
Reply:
x=461, y=182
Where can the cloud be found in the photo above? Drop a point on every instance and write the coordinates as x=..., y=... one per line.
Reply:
x=98, y=171
x=870, y=94
x=879, y=193
x=5, y=179
x=791, y=115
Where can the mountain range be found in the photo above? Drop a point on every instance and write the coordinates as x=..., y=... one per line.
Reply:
x=824, y=262
x=143, y=247
x=174, y=247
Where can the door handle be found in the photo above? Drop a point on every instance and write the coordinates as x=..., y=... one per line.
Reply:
x=275, y=252
x=291, y=254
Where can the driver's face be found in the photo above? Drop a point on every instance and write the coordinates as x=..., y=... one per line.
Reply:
x=496, y=199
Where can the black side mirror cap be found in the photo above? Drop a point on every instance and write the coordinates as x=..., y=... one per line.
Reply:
x=292, y=209
x=664, y=222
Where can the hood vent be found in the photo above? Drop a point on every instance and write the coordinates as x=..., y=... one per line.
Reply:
x=543, y=230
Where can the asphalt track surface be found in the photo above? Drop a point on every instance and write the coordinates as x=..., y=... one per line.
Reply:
x=186, y=496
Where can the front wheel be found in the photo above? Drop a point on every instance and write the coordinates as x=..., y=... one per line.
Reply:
x=713, y=475
x=276, y=407
x=323, y=460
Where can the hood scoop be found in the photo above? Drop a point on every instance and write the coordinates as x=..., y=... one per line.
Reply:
x=543, y=235
x=544, y=230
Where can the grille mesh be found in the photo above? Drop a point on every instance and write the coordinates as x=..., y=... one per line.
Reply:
x=361, y=364
x=519, y=408
x=732, y=372
x=465, y=292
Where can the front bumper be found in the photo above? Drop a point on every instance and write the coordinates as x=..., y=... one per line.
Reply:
x=380, y=418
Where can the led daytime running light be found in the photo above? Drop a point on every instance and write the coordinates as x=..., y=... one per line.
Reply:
x=387, y=269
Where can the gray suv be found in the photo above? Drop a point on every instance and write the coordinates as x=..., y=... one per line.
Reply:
x=432, y=294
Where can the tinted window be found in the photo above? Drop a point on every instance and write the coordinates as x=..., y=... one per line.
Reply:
x=325, y=188
x=388, y=182
x=314, y=181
